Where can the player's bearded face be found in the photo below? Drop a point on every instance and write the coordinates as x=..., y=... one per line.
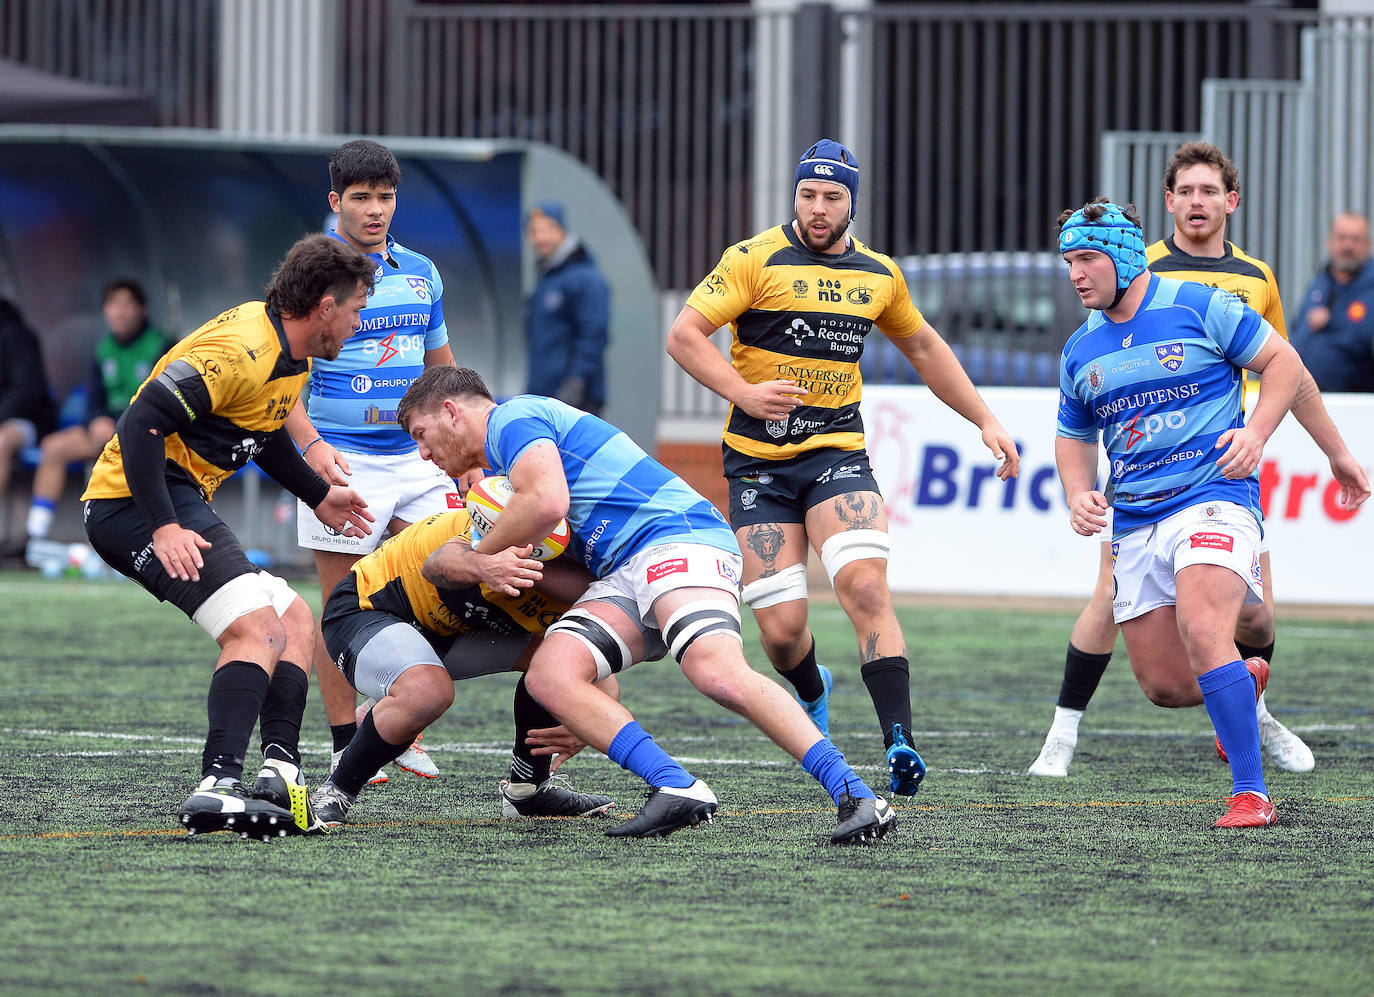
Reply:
x=1200, y=202
x=822, y=214
x=341, y=321
x=442, y=442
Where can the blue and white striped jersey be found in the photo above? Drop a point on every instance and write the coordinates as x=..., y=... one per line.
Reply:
x=353, y=399
x=1160, y=388
x=623, y=501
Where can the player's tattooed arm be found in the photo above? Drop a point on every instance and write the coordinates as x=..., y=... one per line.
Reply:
x=765, y=540
x=858, y=510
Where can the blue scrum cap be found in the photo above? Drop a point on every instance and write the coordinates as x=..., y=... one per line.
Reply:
x=1114, y=234
x=829, y=161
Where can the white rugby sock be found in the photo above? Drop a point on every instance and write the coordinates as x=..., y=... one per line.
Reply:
x=1066, y=723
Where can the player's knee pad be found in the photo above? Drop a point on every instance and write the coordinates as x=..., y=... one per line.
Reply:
x=783, y=586
x=240, y=596
x=610, y=653
x=696, y=620
x=853, y=545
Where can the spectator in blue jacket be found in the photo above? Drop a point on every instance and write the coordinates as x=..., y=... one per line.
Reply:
x=567, y=315
x=1334, y=331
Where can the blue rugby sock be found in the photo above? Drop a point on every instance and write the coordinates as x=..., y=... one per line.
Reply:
x=1228, y=693
x=634, y=750
x=825, y=763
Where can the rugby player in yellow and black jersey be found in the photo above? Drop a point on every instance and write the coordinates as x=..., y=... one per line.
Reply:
x=215, y=401
x=424, y=610
x=800, y=300
x=1201, y=191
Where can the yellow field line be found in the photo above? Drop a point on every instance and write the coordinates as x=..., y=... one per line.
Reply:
x=761, y=812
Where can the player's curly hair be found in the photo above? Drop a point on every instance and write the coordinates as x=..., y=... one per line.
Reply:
x=1194, y=153
x=435, y=385
x=316, y=266
x=363, y=161
x=1092, y=212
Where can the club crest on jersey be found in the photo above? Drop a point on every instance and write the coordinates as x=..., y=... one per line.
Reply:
x=1096, y=377
x=799, y=288
x=420, y=286
x=778, y=429
x=1170, y=356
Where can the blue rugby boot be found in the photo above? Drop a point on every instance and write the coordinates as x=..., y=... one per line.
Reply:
x=818, y=709
x=904, y=766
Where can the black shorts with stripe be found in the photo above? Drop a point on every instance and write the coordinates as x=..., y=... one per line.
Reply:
x=120, y=535
x=783, y=491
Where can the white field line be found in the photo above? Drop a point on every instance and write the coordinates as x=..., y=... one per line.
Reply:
x=191, y=746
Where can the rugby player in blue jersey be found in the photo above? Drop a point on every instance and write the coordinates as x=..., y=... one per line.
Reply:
x=346, y=423
x=1185, y=501
x=646, y=537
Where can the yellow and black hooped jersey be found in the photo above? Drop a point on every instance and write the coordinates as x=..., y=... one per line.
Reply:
x=389, y=579
x=802, y=316
x=1246, y=277
x=251, y=382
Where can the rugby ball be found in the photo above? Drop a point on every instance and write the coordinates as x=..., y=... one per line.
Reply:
x=489, y=496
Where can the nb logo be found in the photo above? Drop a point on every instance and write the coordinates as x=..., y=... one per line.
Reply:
x=823, y=170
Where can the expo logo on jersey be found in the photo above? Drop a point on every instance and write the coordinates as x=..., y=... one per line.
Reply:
x=397, y=344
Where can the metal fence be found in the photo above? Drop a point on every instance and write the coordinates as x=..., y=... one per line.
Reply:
x=1302, y=148
x=168, y=48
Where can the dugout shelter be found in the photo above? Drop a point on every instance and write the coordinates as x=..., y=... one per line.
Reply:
x=202, y=218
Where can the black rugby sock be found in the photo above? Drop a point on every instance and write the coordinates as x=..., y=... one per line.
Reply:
x=237, y=690
x=341, y=734
x=1250, y=651
x=529, y=715
x=1082, y=673
x=805, y=676
x=282, y=710
x=889, y=685
x=364, y=757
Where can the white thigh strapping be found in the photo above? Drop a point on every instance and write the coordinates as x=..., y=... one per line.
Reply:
x=785, y=585
x=241, y=596
x=853, y=545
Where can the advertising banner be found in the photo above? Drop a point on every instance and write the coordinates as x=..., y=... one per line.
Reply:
x=957, y=529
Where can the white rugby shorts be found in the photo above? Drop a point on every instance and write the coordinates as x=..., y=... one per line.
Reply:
x=392, y=485
x=1147, y=560
x=664, y=568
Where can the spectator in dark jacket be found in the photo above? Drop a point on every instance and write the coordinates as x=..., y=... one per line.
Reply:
x=567, y=315
x=26, y=407
x=1334, y=331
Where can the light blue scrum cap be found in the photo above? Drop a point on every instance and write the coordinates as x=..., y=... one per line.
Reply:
x=1114, y=234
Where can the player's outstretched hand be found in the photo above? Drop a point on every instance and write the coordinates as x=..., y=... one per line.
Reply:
x=995, y=438
x=771, y=401
x=510, y=570
x=1354, y=482
x=557, y=741
x=1088, y=512
x=328, y=463
x=179, y=551
x=1244, y=449
x=344, y=511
